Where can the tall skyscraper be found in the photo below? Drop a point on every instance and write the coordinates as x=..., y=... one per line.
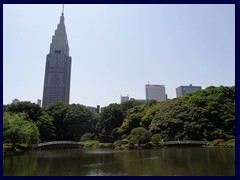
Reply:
x=156, y=92
x=58, y=68
x=182, y=90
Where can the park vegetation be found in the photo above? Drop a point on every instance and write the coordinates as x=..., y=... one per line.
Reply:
x=207, y=114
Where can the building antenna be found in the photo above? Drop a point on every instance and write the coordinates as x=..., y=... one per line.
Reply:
x=62, y=9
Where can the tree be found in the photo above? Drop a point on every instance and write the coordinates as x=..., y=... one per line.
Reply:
x=32, y=110
x=132, y=119
x=112, y=117
x=57, y=112
x=128, y=105
x=46, y=127
x=87, y=136
x=139, y=136
x=156, y=138
x=77, y=122
x=19, y=130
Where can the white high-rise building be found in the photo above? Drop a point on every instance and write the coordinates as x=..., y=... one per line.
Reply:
x=156, y=92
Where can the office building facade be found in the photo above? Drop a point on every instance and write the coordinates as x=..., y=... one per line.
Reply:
x=58, y=68
x=183, y=90
x=39, y=102
x=156, y=92
x=15, y=101
x=124, y=98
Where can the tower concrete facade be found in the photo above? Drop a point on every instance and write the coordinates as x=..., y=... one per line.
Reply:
x=156, y=92
x=124, y=98
x=183, y=90
x=58, y=68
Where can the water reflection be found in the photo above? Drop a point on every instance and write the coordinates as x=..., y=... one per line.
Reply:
x=162, y=162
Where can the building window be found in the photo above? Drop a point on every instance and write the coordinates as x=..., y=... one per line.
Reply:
x=58, y=52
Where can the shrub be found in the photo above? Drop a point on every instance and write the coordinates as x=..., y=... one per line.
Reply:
x=156, y=138
x=106, y=145
x=124, y=136
x=7, y=148
x=87, y=136
x=231, y=142
x=91, y=144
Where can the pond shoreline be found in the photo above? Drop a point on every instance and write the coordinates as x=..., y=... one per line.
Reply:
x=22, y=150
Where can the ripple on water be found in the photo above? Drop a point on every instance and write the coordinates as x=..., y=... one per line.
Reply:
x=99, y=151
x=100, y=164
x=154, y=157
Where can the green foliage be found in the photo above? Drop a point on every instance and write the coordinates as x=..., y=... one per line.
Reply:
x=18, y=129
x=71, y=121
x=151, y=103
x=215, y=117
x=169, y=119
x=7, y=147
x=206, y=114
x=58, y=112
x=46, y=127
x=32, y=110
x=91, y=144
x=10, y=150
x=222, y=143
x=119, y=145
x=77, y=121
x=112, y=117
x=87, y=136
x=139, y=136
x=231, y=143
x=202, y=115
x=106, y=145
x=153, y=108
x=156, y=138
x=132, y=119
x=128, y=105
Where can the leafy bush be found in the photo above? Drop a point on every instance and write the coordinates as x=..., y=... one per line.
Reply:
x=87, y=136
x=231, y=143
x=106, y=145
x=7, y=147
x=119, y=145
x=91, y=144
x=139, y=135
x=156, y=138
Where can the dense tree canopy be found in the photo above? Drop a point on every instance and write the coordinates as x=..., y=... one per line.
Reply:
x=139, y=136
x=77, y=122
x=202, y=115
x=32, y=110
x=206, y=114
x=17, y=129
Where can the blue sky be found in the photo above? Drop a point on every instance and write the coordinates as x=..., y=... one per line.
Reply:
x=117, y=49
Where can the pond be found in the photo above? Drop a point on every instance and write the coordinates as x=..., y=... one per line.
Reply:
x=100, y=162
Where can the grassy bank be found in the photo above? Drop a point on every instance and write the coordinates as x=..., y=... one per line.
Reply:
x=19, y=149
x=221, y=143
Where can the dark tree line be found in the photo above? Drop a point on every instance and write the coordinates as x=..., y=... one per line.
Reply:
x=202, y=115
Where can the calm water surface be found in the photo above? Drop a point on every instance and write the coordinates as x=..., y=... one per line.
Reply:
x=158, y=162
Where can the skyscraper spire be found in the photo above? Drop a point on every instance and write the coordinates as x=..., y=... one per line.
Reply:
x=58, y=67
